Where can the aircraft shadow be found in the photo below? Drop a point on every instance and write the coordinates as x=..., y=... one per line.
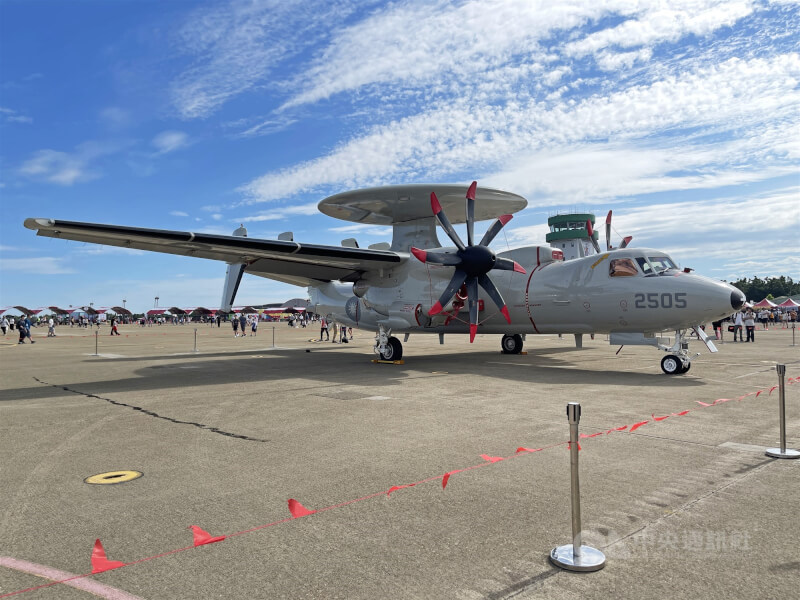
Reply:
x=325, y=367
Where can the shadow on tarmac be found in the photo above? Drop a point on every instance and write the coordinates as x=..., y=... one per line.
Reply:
x=324, y=367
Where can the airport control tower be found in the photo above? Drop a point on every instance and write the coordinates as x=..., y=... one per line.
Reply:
x=568, y=234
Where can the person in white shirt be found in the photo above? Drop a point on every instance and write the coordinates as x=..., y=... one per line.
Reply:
x=750, y=325
x=738, y=321
x=51, y=328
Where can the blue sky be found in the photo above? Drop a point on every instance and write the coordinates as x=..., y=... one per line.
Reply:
x=683, y=117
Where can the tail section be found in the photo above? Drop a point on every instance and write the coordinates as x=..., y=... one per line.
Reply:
x=232, y=278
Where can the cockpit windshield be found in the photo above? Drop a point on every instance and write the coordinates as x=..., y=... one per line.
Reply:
x=662, y=263
x=656, y=264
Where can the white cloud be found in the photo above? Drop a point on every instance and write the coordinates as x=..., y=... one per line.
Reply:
x=236, y=46
x=178, y=213
x=169, y=141
x=738, y=98
x=43, y=265
x=57, y=167
x=67, y=168
x=217, y=216
x=278, y=214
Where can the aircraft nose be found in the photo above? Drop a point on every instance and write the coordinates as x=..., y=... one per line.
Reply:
x=737, y=299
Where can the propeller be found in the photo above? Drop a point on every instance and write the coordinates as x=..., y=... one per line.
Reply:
x=590, y=231
x=472, y=262
x=625, y=241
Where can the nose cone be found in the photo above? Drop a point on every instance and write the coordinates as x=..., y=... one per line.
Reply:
x=737, y=299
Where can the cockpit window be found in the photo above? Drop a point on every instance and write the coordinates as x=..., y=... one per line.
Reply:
x=661, y=263
x=622, y=267
x=645, y=266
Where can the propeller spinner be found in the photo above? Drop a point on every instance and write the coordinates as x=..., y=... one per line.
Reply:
x=472, y=262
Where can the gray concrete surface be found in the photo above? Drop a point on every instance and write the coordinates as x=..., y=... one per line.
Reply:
x=683, y=507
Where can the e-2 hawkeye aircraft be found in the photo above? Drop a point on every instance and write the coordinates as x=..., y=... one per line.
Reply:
x=415, y=285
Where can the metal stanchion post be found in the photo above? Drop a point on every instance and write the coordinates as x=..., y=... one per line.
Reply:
x=95, y=344
x=273, y=336
x=793, y=328
x=783, y=451
x=195, y=340
x=576, y=556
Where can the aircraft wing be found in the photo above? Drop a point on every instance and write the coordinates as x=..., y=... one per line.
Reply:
x=290, y=262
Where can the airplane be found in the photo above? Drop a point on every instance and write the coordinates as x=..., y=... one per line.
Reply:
x=416, y=285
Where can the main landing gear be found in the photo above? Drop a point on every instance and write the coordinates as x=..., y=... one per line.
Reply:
x=511, y=344
x=387, y=346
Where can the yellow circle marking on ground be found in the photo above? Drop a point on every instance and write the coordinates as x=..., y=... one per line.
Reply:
x=113, y=477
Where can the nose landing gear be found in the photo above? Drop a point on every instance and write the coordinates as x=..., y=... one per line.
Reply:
x=675, y=365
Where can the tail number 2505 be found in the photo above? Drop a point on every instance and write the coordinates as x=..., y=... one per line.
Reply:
x=665, y=300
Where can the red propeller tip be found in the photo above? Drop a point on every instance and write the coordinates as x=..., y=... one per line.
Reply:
x=504, y=310
x=589, y=228
x=518, y=268
x=608, y=218
x=471, y=190
x=435, y=206
x=435, y=309
x=505, y=218
x=421, y=255
x=473, y=329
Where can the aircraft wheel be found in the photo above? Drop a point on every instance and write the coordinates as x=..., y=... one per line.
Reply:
x=394, y=350
x=511, y=344
x=671, y=364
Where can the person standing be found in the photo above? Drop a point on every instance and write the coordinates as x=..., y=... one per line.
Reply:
x=114, y=326
x=235, y=325
x=51, y=327
x=323, y=328
x=4, y=326
x=738, y=322
x=750, y=325
x=243, y=324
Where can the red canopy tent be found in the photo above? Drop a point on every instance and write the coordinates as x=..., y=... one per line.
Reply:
x=788, y=303
x=764, y=304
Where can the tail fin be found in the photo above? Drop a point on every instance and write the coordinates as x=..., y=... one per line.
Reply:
x=232, y=278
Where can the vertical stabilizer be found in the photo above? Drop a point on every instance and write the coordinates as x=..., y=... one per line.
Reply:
x=232, y=278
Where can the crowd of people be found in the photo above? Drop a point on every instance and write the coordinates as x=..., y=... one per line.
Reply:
x=743, y=322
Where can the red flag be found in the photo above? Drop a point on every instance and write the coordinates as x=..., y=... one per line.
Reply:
x=202, y=537
x=298, y=510
x=492, y=459
x=99, y=561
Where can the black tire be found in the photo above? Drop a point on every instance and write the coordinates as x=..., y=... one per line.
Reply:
x=394, y=350
x=686, y=367
x=672, y=365
x=511, y=344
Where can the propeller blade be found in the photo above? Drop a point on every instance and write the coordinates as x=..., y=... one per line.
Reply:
x=626, y=241
x=444, y=222
x=590, y=231
x=487, y=285
x=608, y=231
x=471, y=213
x=472, y=292
x=455, y=283
x=436, y=258
x=506, y=264
x=495, y=229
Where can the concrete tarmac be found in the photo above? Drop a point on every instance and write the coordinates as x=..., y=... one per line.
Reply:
x=683, y=507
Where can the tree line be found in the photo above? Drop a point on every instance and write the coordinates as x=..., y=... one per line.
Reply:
x=769, y=287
